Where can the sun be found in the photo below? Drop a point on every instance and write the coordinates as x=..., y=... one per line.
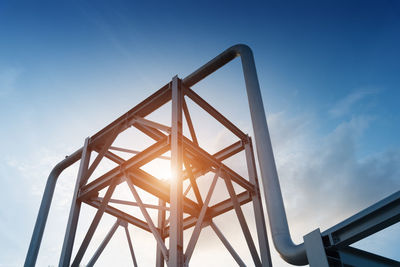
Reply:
x=159, y=168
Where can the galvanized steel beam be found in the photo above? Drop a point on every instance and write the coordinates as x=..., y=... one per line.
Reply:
x=242, y=221
x=199, y=223
x=350, y=256
x=160, y=225
x=228, y=246
x=176, y=211
x=120, y=214
x=72, y=223
x=367, y=222
x=153, y=229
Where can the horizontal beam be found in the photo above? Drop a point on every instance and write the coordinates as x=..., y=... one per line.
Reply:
x=213, y=211
x=132, y=203
x=367, y=222
x=153, y=124
x=350, y=256
x=131, y=151
x=143, y=109
x=229, y=151
x=120, y=214
x=205, y=156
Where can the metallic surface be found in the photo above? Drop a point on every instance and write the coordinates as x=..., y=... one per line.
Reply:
x=200, y=221
x=176, y=211
x=75, y=208
x=369, y=221
x=337, y=240
x=350, y=256
x=103, y=244
x=227, y=245
x=315, y=249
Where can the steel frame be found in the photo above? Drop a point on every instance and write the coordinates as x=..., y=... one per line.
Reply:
x=338, y=239
x=184, y=152
x=331, y=248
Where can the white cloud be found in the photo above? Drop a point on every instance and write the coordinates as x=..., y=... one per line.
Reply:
x=325, y=181
x=345, y=105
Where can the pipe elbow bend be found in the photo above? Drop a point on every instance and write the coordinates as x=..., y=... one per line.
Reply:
x=62, y=165
x=290, y=252
x=240, y=49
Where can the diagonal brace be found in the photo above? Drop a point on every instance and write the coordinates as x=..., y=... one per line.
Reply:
x=199, y=223
x=149, y=221
x=103, y=244
x=242, y=221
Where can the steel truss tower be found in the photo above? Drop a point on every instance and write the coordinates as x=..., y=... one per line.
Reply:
x=189, y=162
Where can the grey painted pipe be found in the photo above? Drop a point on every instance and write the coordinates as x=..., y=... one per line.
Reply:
x=290, y=252
x=41, y=219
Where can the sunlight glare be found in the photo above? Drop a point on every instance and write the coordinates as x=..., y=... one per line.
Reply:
x=159, y=168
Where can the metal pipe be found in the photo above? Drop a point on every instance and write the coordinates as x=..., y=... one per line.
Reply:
x=41, y=219
x=290, y=252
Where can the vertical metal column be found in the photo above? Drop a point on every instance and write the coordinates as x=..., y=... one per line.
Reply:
x=315, y=249
x=176, y=214
x=75, y=208
x=160, y=224
x=257, y=206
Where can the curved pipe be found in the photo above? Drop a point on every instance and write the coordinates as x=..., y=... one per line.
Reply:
x=290, y=252
x=41, y=219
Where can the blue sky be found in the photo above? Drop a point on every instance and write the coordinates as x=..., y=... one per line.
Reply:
x=329, y=74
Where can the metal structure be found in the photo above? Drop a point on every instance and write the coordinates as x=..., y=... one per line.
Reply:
x=189, y=162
